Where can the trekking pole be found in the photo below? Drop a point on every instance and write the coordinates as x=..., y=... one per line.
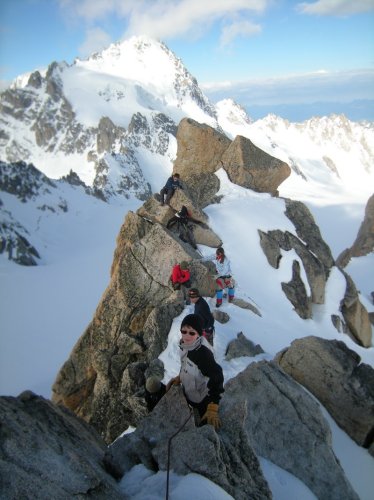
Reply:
x=250, y=298
x=169, y=449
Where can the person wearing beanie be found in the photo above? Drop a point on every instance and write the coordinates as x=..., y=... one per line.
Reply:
x=203, y=310
x=200, y=375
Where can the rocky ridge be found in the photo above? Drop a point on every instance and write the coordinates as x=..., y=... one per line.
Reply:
x=103, y=378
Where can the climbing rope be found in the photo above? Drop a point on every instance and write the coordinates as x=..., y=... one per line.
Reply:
x=169, y=450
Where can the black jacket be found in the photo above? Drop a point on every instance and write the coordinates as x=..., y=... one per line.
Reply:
x=203, y=310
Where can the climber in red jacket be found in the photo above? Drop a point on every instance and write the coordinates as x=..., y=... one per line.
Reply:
x=180, y=275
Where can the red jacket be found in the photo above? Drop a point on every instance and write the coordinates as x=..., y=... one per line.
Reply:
x=179, y=275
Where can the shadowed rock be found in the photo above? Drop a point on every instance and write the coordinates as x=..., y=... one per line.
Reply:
x=48, y=452
x=220, y=316
x=333, y=373
x=364, y=242
x=242, y=346
x=296, y=293
x=308, y=231
x=230, y=464
x=284, y=425
x=355, y=314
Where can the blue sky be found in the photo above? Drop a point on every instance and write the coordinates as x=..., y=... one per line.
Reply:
x=263, y=53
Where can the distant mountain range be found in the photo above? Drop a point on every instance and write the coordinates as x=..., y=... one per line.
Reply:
x=108, y=125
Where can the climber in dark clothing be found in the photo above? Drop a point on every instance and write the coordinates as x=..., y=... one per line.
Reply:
x=181, y=222
x=171, y=185
x=154, y=390
x=203, y=310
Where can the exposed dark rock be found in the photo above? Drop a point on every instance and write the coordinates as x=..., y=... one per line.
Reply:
x=284, y=425
x=231, y=464
x=242, y=346
x=364, y=242
x=271, y=248
x=35, y=80
x=334, y=374
x=308, y=231
x=220, y=316
x=47, y=452
x=297, y=294
x=339, y=324
x=16, y=246
x=107, y=134
x=355, y=314
x=23, y=180
x=73, y=179
x=316, y=273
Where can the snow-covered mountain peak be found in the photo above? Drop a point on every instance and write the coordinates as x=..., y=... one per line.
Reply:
x=148, y=63
x=232, y=116
x=138, y=58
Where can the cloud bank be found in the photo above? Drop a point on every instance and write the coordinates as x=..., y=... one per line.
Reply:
x=336, y=7
x=315, y=93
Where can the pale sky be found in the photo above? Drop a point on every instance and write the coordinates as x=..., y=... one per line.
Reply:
x=261, y=52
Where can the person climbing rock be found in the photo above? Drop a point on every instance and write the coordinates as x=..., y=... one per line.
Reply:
x=203, y=310
x=200, y=375
x=168, y=190
x=181, y=223
x=224, y=277
x=154, y=390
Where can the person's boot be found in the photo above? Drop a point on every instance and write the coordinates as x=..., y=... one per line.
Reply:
x=219, y=296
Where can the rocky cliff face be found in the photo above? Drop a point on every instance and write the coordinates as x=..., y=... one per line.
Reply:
x=105, y=371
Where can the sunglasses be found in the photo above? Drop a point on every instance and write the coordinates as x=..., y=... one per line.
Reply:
x=185, y=332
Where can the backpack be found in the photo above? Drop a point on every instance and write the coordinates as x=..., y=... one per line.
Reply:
x=183, y=213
